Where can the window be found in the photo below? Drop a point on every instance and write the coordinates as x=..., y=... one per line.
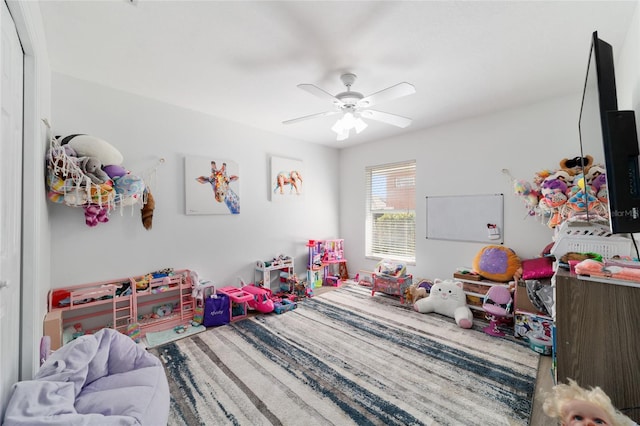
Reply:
x=391, y=211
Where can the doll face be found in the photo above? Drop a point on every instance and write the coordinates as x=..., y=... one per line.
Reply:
x=583, y=413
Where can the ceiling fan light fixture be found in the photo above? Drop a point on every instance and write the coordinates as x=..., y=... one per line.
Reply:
x=359, y=125
x=354, y=106
x=348, y=121
x=338, y=127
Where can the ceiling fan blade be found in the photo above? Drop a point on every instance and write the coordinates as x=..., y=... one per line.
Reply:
x=390, y=93
x=385, y=117
x=318, y=92
x=308, y=117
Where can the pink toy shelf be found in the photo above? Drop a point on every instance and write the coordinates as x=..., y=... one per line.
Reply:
x=239, y=301
x=325, y=255
x=144, y=303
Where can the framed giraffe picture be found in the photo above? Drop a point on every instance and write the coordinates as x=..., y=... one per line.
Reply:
x=211, y=186
x=286, y=179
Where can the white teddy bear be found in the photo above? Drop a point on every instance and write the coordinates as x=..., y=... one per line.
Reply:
x=447, y=298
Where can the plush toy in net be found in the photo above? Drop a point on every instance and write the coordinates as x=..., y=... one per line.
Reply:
x=496, y=263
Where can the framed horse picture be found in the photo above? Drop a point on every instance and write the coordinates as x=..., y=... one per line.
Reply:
x=211, y=186
x=287, y=181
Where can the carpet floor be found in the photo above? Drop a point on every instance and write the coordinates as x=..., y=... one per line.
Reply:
x=347, y=358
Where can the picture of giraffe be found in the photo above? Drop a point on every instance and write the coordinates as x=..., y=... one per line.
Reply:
x=211, y=186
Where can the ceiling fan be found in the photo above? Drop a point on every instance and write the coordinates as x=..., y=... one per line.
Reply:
x=354, y=106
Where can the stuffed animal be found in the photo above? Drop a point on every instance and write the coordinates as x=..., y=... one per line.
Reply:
x=414, y=292
x=95, y=214
x=529, y=195
x=447, y=298
x=92, y=167
x=147, y=211
x=581, y=196
x=597, y=178
x=575, y=165
x=496, y=263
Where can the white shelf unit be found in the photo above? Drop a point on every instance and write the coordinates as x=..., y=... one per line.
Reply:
x=264, y=269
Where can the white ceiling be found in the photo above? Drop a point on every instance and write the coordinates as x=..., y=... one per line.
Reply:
x=242, y=60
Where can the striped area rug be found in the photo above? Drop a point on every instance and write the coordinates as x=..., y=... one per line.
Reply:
x=346, y=358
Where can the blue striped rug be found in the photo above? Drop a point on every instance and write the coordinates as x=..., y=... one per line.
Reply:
x=346, y=358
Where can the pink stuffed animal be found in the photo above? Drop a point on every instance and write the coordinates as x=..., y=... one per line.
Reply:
x=94, y=214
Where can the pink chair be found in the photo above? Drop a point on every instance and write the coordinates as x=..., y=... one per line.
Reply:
x=497, y=305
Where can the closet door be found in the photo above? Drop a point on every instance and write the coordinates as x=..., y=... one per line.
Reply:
x=11, y=100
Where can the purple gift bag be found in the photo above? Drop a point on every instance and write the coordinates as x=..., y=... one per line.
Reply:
x=217, y=310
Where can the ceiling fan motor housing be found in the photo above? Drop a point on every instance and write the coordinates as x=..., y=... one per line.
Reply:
x=349, y=98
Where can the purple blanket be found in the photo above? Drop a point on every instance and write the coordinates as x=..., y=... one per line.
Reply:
x=103, y=379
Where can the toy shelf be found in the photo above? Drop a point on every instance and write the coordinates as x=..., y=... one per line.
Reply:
x=264, y=269
x=324, y=255
x=154, y=304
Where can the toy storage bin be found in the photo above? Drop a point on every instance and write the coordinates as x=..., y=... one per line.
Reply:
x=394, y=286
x=589, y=238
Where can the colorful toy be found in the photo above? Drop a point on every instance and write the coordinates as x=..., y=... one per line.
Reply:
x=574, y=166
x=496, y=263
x=261, y=299
x=143, y=283
x=415, y=292
x=162, y=310
x=447, y=298
x=285, y=305
x=92, y=168
x=563, y=194
x=497, y=305
x=573, y=405
x=94, y=214
x=391, y=268
x=530, y=196
x=133, y=331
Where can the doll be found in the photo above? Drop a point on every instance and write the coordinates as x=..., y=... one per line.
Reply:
x=575, y=406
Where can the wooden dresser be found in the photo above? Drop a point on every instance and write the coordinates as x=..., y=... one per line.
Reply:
x=598, y=337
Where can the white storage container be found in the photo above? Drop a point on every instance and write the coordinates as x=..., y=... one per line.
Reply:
x=584, y=237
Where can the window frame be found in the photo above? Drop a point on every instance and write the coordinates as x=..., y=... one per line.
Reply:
x=406, y=183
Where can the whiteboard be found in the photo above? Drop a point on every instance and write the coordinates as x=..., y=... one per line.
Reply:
x=466, y=218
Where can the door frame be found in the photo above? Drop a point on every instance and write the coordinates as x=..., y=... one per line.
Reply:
x=36, y=235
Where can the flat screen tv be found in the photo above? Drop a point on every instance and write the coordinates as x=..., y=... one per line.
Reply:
x=610, y=137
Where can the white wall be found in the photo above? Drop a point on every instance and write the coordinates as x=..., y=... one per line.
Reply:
x=464, y=158
x=218, y=247
x=627, y=65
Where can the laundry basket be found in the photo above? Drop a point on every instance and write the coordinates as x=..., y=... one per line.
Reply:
x=584, y=237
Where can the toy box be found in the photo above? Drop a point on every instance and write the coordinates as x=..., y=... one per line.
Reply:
x=365, y=278
x=523, y=302
x=535, y=329
x=395, y=286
